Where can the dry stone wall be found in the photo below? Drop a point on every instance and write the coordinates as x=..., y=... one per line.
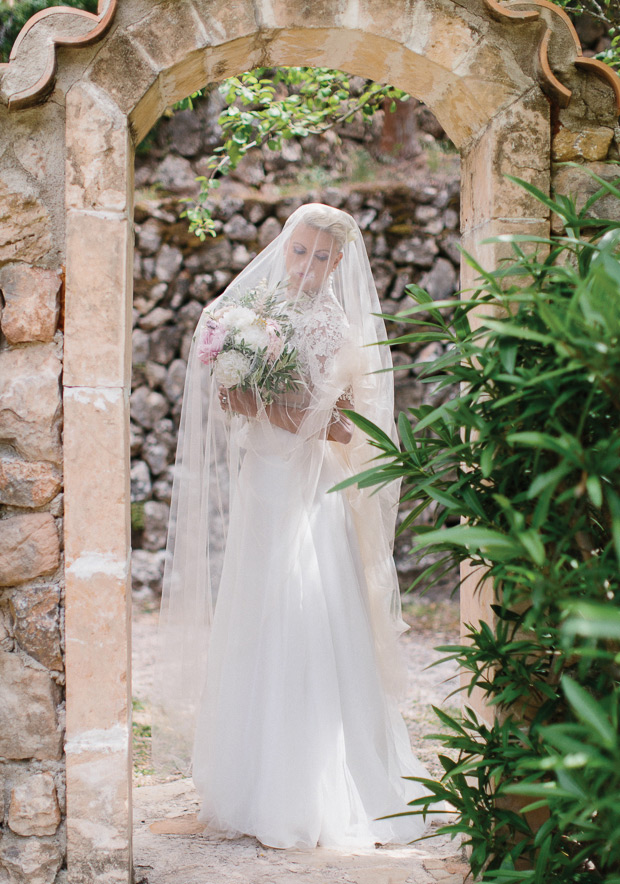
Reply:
x=32, y=774
x=411, y=235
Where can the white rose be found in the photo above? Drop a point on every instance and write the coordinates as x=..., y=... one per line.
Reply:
x=255, y=336
x=238, y=317
x=231, y=367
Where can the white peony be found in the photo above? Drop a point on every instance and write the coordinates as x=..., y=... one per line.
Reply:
x=238, y=317
x=255, y=336
x=231, y=367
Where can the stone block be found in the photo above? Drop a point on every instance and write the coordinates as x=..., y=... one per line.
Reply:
x=141, y=485
x=169, y=34
x=34, y=806
x=25, y=226
x=27, y=484
x=31, y=303
x=516, y=142
x=29, y=726
x=587, y=143
x=96, y=481
x=176, y=175
x=156, y=517
x=148, y=407
x=168, y=262
x=98, y=150
x=224, y=21
x=441, y=281
x=29, y=861
x=450, y=39
x=488, y=255
x=186, y=133
x=97, y=541
x=36, y=615
x=96, y=645
x=29, y=547
x=121, y=71
x=98, y=302
x=98, y=806
x=30, y=406
x=576, y=182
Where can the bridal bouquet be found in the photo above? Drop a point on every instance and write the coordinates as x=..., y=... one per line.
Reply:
x=247, y=344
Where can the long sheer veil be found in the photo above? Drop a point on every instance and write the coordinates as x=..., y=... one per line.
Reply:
x=299, y=343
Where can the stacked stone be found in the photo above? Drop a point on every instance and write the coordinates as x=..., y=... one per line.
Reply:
x=32, y=781
x=411, y=235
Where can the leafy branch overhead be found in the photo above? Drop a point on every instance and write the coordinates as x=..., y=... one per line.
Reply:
x=267, y=107
x=526, y=455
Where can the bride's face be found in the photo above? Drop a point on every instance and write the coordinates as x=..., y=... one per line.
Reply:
x=311, y=255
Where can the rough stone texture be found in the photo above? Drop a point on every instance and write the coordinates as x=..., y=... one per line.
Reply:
x=570, y=180
x=156, y=515
x=25, y=233
x=97, y=150
x=32, y=303
x=98, y=322
x=35, y=611
x=34, y=806
x=176, y=175
x=147, y=570
x=147, y=407
x=588, y=143
x=168, y=262
x=30, y=402
x=28, y=484
x=30, y=861
x=29, y=726
x=29, y=547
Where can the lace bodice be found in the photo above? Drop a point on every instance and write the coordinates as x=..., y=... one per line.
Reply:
x=320, y=329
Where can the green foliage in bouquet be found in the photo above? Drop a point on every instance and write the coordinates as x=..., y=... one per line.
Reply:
x=527, y=456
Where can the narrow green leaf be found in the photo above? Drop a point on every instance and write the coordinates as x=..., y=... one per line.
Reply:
x=589, y=711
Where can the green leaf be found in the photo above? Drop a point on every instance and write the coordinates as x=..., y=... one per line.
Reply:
x=484, y=539
x=589, y=711
x=372, y=430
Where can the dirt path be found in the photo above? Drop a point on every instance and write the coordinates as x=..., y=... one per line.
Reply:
x=195, y=859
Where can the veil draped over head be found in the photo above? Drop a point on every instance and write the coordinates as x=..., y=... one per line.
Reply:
x=300, y=339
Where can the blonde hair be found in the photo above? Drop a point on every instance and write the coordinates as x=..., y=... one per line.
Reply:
x=337, y=223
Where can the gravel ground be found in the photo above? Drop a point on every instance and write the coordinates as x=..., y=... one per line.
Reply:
x=182, y=855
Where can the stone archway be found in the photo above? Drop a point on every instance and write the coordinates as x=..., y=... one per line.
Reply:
x=489, y=73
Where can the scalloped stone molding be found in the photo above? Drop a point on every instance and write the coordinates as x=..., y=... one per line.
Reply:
x=63, y=26
x=28, y=77
x=513, y=12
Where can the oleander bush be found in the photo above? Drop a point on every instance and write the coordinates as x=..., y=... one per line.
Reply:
x=527, y=455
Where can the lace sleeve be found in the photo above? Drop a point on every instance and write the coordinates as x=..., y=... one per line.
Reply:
x=320, y=334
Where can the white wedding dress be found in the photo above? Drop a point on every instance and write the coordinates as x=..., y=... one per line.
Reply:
x=281, y=609
x=296, y=741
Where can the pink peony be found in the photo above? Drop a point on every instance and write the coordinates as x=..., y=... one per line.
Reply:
x=211, y=339
x=276, y=339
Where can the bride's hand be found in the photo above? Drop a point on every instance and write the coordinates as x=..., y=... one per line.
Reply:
x=340, y=430
x=239, y=401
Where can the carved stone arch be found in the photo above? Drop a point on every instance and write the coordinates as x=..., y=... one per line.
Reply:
x=494, y=74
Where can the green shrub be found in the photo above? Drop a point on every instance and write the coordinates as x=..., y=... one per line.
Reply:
x=527, y=455
x=13, y=18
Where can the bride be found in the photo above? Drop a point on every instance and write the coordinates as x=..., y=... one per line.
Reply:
x=282, y=695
